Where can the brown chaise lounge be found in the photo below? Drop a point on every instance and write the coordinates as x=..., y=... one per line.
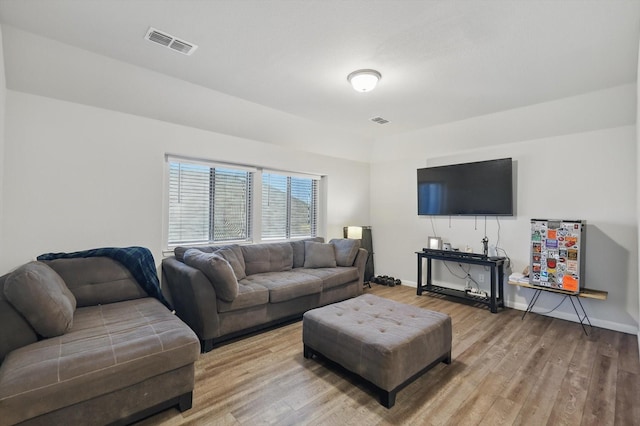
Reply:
x=118, y=357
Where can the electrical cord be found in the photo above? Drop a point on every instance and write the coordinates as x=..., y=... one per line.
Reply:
x=556, y=307
x=500, y=249
x=466, y=277
x=433, y=227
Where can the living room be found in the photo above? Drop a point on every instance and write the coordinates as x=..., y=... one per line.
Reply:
x=85, y=134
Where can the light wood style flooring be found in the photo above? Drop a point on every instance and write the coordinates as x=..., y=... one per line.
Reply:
x=536, y=371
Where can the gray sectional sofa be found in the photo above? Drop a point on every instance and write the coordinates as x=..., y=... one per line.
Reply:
x=81, y=342
x=225, y=291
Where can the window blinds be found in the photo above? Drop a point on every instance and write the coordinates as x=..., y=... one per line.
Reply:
x=289, y=206
x=208, y=203
x=212, y=203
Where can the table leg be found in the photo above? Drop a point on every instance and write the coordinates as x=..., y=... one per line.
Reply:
x=583, y=311
x=493, y=304
x=534, y=299
x=501, y=284
x=419, y=281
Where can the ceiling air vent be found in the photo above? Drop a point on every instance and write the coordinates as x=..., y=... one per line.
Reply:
x=170, y=41
x=379, y=120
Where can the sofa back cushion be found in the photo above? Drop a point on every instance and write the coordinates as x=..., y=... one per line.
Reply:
x=269, y=257
x=41, y=296
x=298, y=250
x=232, y=253
x=217, y=270
x=346, y=250
x=97, y=280
x=15, y=331
x=319, y=255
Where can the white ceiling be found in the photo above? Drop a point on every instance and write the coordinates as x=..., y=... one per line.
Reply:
x=441, y=61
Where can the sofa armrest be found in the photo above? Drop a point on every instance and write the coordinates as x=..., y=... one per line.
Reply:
x=360, y=263
x=193, y=296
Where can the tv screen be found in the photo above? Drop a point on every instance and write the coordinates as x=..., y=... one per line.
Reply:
x=483, y=188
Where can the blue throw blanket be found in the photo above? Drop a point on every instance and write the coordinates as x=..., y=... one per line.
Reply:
x=138, y=260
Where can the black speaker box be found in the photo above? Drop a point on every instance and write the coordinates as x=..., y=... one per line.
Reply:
x=366, y=243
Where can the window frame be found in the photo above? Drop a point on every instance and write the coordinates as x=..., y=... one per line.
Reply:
x=315, y=201
x=256, y=200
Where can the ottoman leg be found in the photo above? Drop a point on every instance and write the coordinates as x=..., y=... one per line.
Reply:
x=307, y=352
x=388, y=398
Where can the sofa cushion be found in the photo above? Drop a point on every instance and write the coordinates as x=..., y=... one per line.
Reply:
x=334, y=277
x=286, y=285
x=97, y=280
x=346, y=250
x=110, y=347
x=181, y=250
x=217, y=270
x=249, y=294
x=15, y=331
x=233, y=255
x=38, y=293
x=298, y=250
x=269, y=257
x=319, y=255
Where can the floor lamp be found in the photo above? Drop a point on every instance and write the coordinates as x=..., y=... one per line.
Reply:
x=363, y=233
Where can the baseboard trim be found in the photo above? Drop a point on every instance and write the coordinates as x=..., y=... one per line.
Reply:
x=568, y=316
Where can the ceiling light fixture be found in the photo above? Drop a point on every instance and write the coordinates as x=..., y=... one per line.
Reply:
x=364, y=80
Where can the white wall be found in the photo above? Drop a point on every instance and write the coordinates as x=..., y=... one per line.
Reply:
x=582, y=168
x=46, y=67
x=79, y=177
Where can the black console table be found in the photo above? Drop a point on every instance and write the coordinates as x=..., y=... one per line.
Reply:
x=496, y=296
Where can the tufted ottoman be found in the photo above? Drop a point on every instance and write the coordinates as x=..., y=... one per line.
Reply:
x=385, y=342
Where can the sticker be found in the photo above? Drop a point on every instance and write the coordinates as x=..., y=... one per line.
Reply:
x=536, y=236
x=570, y=283
x=572, y=266
x=551, y=263
x=537, y=247
x=554, y=224
x=562, y=253
x=535, y=267
x=570, y=242
x=572, y=254
x=536, y=276
x=552, y=243
x=536, y=257
x=552, y=234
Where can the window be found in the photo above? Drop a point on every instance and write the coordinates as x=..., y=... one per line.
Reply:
x=289, y=206
x=212, y=203
x=208, y=203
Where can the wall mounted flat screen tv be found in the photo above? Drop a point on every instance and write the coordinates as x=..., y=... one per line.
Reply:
x=483, y=188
